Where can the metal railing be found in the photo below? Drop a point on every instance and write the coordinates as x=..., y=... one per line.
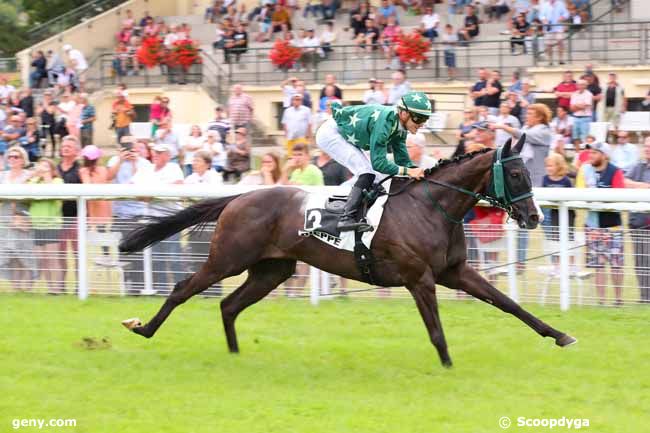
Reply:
x=544, y=265
x=8, y=64
x=70, y=19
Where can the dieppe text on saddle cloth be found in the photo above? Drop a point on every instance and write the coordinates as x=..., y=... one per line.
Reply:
x=314, y=212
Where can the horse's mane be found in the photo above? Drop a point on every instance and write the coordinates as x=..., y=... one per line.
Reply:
x=456, y=160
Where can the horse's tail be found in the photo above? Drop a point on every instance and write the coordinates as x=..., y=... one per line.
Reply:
x=163, y=227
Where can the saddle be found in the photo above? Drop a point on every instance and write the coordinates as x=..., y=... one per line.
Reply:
x=321, y=222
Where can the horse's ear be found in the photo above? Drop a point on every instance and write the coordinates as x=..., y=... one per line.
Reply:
x=520, y=144
x=506, y=147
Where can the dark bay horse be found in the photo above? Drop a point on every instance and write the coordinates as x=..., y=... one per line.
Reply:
x=419, y=243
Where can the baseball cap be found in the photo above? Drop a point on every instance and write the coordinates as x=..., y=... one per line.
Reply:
x=91, y=152
x=480, y=125
x=600, y=147
x=160, y=147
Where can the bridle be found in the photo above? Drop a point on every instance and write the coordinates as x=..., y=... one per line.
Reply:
x=498, y=193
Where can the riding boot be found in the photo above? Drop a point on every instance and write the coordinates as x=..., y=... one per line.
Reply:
x=350, y=218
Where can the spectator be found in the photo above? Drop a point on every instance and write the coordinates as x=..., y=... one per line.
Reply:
x=238, y=159
x=388, y=40
x=121, y=170
x=213, y=145
x=306, y=96
x=504, y=118
x=374, y=95
x=123, y=114
x=521, y=30
x=171, y=37
x=202, y=171
x=6, y=90
x=556, y=177
x=386, y=10
x=310, y=51
x=68, y=170
x=429, y=23
x=240, y=107
x=40, y=69
x=73, y=116
x=465, y=130
x=47, y=111
x=553, y=14
x=564, y=90
x=159, y=112
x=470, y=30
x=240, y=41
x=415, y=146
x=11, y=134
x=299, y=171
x=289, y=88
x=327, y=38
x=581, y=107
x=582, y=151
x=595, y=90
x=449, y=42
x=367, y=41
x=615, y=101
x=483, y=135
x=269, y=173
x=280, y=19
x=166, y=135
x=221, y=123
x=79, y=64
x=63, y=110
x=99, y=211
x=17, y=236
x=497, y=9
x=537, y=43
x=478, y=91
x=603, y=229
x=358, y=19
x=167, y=269
x=190, y=145
x=639, y=177
x=296, y=121
x=624, y=154
x=562, y=124
x=326, y=100
x=31, y=141
x=538, y=140
x=400, y=87
x=46, y=219
x=330, y=80
x=333, y=172
x=87, y=119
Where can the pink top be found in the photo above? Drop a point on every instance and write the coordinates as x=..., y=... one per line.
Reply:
x=390, y=32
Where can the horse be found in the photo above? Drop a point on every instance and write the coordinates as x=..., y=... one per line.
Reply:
x=419, y=243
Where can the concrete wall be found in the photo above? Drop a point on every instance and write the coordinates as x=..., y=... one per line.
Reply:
x=189, y=104
x=98, y=32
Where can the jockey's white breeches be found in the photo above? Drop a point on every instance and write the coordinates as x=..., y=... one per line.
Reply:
x=348, y=155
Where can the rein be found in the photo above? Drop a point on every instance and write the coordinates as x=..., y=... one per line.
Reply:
x=498, y=195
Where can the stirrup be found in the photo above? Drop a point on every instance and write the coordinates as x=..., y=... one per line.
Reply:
x=357, y=226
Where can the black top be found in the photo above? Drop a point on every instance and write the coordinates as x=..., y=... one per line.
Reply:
x=494, y=100
x=27, y=105
x=472, y=20
x=610, y=97
x=358, y=25
x=333, y=173
x=239, y=36
x=595, y=90
x=479, y=85
x=522, y=28
x=40, y=65
x=70, y=176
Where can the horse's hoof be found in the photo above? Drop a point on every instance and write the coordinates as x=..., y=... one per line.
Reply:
x=131, y=324
x=565, y=340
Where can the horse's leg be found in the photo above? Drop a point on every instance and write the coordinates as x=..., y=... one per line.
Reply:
x=263, y=277
x=209, y=274
x=466, y=278
x=424, y=293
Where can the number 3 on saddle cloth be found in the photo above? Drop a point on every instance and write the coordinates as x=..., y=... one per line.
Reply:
x=322, y=213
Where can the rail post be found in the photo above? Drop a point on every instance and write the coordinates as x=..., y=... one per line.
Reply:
x=565, y=281
x=82, y=251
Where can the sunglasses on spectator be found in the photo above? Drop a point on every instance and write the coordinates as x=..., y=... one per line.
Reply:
x=239, y=132
x=14, y=156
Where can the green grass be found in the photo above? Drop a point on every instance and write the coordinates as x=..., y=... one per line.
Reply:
x=344, y=366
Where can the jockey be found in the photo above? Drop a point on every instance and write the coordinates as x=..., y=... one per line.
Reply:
x=380, y=129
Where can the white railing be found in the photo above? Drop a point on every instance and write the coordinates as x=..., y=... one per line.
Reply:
x=563, y=266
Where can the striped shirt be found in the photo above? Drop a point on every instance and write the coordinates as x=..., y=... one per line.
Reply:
x=240, y=109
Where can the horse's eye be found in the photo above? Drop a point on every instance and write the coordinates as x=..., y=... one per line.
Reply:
x=515, y=173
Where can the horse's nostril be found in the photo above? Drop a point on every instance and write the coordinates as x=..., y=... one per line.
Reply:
x=534, y=218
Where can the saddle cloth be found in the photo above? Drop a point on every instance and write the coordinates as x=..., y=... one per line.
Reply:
x=322, y=213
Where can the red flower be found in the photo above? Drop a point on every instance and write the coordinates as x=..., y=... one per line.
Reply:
x=283, y=54
x=183, y=53
x=150, y=52
x=411, y=48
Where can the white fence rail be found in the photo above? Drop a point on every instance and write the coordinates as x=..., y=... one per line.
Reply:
x=544, y=265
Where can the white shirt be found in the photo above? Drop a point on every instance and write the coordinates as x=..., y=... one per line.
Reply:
x=79, y=60
x=288, y=92
x=171, y=173
x=170, y=39
x=190, y=145
x=501, y=136
x=311, y=42
x=374, y=97
x=328, y=37
x=6, y=91
x=210, y=177
x=296, y=121
x=218, y=152
x=65, y=108
x=430, y=21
